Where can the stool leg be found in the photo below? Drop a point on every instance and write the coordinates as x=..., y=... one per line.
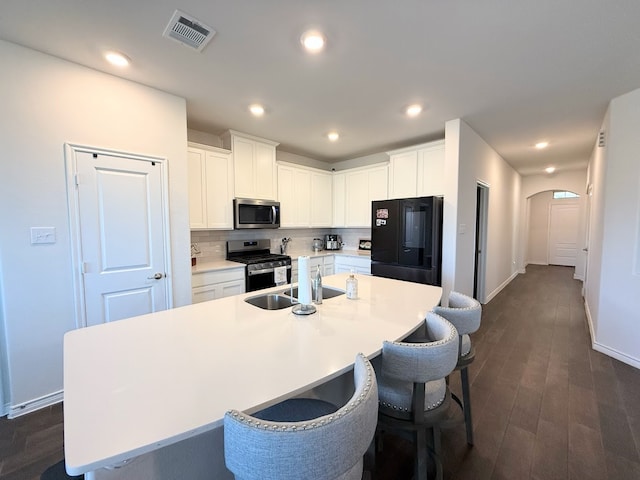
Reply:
x=421, y=455
x=466, y=401
x=437, y=450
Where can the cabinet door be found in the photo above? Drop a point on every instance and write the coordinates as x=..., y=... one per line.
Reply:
x=357, y=199
x=431, y=171
x=320, y=203
x=363, y=186
x=339, y=200
x=265, y=171
x=294, y=194
x=219, y=190
x=378, y=181
x=243, y=158
x=197, y=188
x=229, y=289
x=402, y=175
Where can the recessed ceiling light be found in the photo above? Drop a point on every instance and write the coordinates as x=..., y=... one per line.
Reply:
x=414, y=110
x=333, y=136
x=118, y=59
x=313, y=41
x=550, y=169
x=257, y=110
x=541, y=145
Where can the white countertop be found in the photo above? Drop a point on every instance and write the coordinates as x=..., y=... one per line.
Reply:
x=210, y=265
x=138, y=384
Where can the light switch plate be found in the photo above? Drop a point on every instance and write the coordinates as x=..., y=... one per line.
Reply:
x=43, y=235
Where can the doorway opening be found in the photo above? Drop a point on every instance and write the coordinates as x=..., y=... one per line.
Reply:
x=482, y=214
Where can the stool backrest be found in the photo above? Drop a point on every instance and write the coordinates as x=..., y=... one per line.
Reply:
x=426, y=361
x=463, y=311
x=326, y=448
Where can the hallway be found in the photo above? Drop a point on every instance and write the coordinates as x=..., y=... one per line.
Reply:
x=546, y=406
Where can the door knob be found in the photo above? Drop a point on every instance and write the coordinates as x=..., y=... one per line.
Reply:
x=156, y=276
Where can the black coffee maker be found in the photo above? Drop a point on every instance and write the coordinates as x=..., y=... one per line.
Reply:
x=332, y=242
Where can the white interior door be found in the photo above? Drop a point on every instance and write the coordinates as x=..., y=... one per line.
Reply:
x=122, y=236
x=563, y=234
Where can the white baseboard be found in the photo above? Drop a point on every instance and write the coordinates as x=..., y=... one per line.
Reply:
x=500, y=287
x=611, y=352
x=589, y=322
x=634, y=362
x=36, y=404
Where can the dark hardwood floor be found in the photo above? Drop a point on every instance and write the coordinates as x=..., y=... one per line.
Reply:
x=546, y=406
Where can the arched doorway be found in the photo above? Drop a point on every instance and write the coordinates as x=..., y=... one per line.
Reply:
x=553, y=232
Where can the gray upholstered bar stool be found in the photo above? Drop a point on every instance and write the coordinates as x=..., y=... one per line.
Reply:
x=465, y=313
x=414, y=397
x=320, y=447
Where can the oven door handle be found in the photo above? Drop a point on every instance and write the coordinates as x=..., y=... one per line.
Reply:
x=264, y=270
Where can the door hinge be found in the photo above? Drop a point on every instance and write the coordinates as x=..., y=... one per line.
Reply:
x=76, y=179
x=84, y=268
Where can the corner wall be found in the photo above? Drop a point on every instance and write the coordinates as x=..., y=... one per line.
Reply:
x=473, y=160
x=46, y=102
x=613, y=272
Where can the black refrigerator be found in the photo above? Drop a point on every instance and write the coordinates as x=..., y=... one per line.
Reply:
x=406, y=239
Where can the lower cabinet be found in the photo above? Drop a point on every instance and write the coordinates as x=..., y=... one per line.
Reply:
x=326, y=263
x=207, y=286
x=346, y=263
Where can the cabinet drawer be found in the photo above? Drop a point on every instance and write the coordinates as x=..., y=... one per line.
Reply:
x=217, y=276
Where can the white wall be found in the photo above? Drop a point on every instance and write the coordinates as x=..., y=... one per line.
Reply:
x=45, y=103
x=538, y=238
x=613, y=278
x=478, y=162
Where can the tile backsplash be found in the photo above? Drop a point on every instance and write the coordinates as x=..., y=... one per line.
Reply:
x=212, y=244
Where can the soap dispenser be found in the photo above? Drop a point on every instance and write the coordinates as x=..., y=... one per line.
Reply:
x=352, y=286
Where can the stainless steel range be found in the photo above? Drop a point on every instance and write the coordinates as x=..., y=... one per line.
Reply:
x=263, y=268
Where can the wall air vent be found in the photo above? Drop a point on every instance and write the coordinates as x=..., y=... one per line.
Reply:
x=601, y=139
x=188, y=31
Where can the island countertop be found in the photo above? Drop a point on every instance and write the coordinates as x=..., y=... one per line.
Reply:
x=136, y=385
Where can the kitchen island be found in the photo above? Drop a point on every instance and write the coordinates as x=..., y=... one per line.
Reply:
x=145, y=397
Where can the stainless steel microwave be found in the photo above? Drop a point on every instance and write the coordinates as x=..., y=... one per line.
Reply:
x=253, y=213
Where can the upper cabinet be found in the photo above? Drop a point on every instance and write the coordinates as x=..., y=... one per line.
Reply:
x=354, y=190
x=417, y=171
x=254, y=161
x=210, y=187
x=305, y=196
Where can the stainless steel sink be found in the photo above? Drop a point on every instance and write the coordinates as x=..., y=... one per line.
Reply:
x=270, y=301
x=327, y=292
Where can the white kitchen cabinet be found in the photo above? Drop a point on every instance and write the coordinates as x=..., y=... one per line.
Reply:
x=254, y=161
x=321, y=199
x=347, y=263
x=305, y=196
x=326, y=263
x=417, y=171
x=215, y=284
x=210, y=174
x=431, y=169
x=339, y=199
x=362, y=186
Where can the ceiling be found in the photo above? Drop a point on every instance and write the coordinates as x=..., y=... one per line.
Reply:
x=517, y=72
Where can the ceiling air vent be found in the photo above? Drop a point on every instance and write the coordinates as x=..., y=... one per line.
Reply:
x=188, y=31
